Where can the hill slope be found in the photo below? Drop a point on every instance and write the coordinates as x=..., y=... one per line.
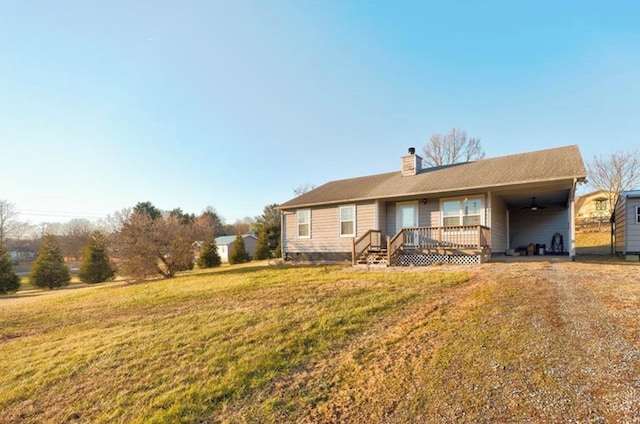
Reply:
x=499, y=342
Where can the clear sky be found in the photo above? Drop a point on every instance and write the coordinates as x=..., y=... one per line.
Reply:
x=233, y=104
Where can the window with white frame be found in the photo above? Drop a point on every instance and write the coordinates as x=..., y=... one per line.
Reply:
x=466, y=211
x=304, y=223
x=637, y=214
x=347, y=221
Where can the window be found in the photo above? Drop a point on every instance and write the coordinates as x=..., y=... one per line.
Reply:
x=637, y=214
x=451, y=213
x=304, y=223
x=467, y=211
x=348, y=221
x=601, y=205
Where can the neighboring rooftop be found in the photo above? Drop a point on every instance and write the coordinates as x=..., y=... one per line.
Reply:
x=540, y=166
x=630, y=193
x=230, y=239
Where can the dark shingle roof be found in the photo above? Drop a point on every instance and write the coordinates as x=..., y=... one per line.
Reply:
x=561, y=163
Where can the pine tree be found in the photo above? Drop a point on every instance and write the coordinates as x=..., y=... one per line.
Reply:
x=270, y=223
x=49, y=269
x=209, y=257
x=9, y=280
x=239, y=253
x=95, y=266
x=262, y=249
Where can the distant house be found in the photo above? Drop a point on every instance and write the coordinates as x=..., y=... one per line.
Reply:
x=225, y=245
x=461, y=213
x=593, y=208
x=18, y=256
x=626, y=222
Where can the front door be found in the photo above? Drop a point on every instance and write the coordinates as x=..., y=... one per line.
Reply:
x=407, y=217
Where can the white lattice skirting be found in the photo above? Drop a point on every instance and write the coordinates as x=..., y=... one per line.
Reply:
x=430, y=259
x=376, y=260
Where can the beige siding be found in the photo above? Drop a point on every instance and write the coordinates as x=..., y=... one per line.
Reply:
x=633, y=228
x=288, y=229
x=391, y=219
x=498, y=225
x=382, y=219
x=366, y=218
x=325, y=229
x=429, y=215
x=621, y=224
x=434, y=214
x=425, y=215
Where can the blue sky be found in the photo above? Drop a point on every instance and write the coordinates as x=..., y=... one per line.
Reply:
x=233, y=104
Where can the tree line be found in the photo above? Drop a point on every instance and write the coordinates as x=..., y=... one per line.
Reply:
x=143, y=242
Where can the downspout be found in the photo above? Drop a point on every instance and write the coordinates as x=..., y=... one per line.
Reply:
x=572, y=226
x=282, y=237
x=612, y=223
x=489, y=218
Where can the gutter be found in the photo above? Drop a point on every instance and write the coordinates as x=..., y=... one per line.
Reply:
x=454, y=191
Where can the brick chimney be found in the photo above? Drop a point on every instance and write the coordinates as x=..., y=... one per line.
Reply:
x=412, y=163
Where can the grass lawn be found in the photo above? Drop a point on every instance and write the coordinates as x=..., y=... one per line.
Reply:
x=183, y=349
x=594, y=242
x=505, y=342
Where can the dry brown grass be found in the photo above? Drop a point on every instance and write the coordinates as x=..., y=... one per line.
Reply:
x=594, y=242
x=523, y=342
x=501, y=342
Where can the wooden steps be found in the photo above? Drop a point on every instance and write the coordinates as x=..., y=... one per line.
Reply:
x=373, y=257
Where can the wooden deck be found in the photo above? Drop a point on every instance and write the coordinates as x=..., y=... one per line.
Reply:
x=440, y=243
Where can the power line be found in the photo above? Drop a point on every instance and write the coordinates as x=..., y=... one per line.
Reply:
x=59, y=214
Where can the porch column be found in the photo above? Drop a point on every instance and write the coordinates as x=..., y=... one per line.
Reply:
x=572, y=223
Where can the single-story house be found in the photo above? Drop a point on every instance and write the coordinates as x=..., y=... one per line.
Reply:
x=626, y=224
x=225, y=245
x=593, y=208
x=461, y=213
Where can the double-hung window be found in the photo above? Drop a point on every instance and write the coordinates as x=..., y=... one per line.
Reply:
x=304, y=223
x=457, y=212
x=347, y=221
x=637, y=214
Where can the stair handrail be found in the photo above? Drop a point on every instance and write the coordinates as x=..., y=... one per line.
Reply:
x=369, y=240
x=394, y=245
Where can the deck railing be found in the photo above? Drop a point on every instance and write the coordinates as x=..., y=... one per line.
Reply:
x=372, y=239
x=424, y=238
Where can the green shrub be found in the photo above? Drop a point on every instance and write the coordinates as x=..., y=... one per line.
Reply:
x=209, y=257
x=262, y=250
x=95, y=266
x=239, y=253
x=49, y=269
x=9, y=280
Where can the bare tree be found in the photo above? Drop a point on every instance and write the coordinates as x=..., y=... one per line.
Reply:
x=302, y=189
x=75, y=236
x=10, y=227
x=615, y=173
x=145, y=245
x=454, y=147
x=114, y=223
